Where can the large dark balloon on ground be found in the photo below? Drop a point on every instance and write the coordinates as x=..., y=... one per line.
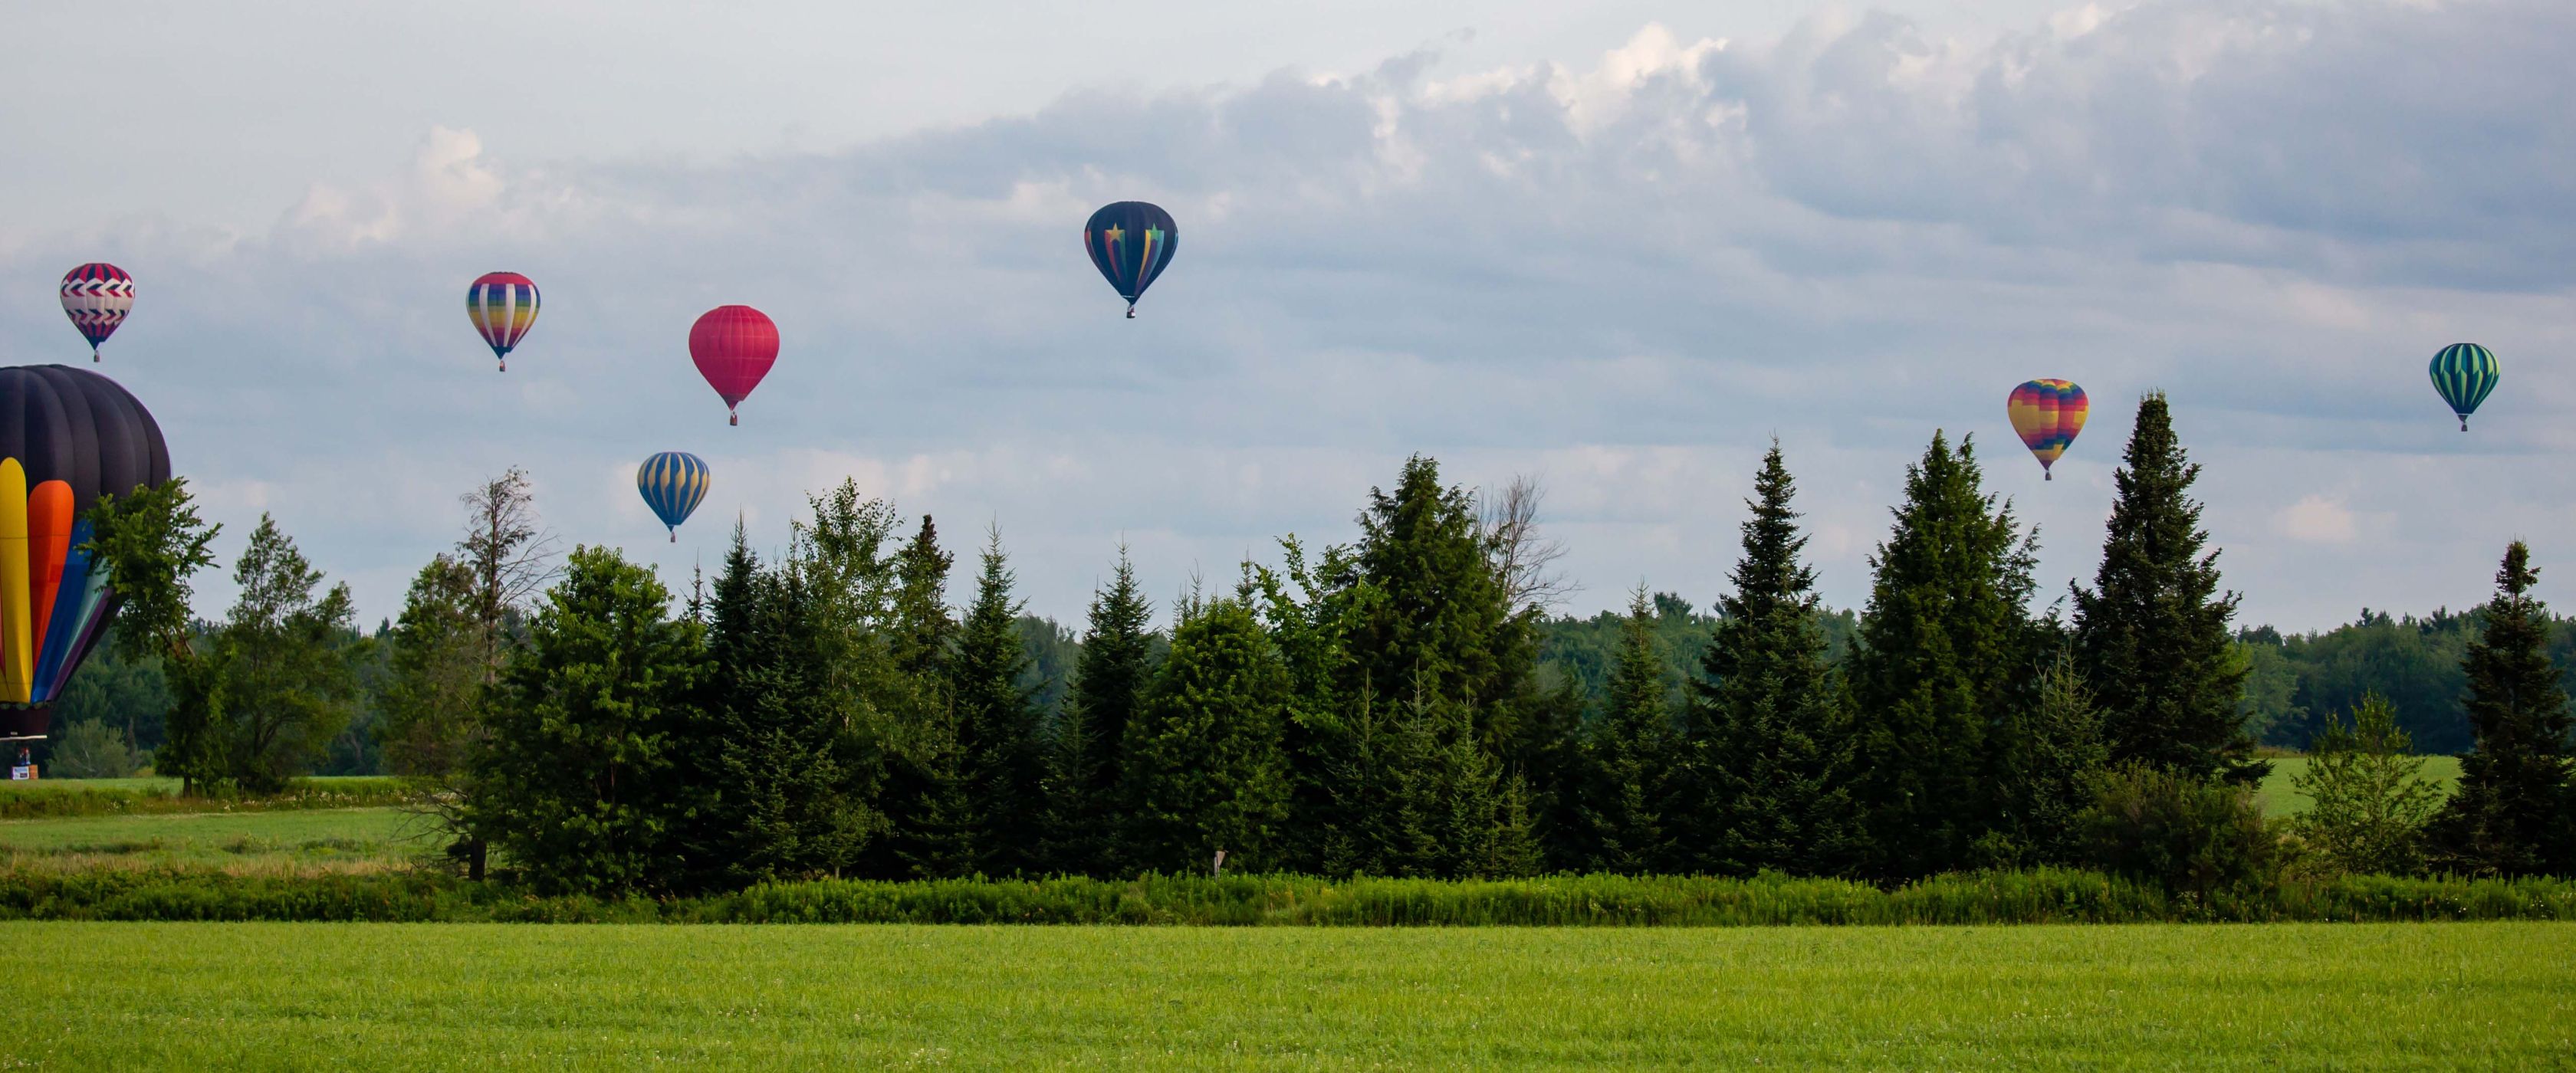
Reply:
x=75, y=426
x=1130, y=242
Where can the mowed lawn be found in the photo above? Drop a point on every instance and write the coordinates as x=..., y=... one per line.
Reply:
x=476, y=996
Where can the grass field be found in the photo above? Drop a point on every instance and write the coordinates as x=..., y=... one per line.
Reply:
x=2282, y=799
x=328, y=840
x=474, y=996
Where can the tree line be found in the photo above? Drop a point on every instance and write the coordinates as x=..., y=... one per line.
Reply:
x=1379, y=707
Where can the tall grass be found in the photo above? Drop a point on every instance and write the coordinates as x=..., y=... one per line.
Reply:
x=2039, y=896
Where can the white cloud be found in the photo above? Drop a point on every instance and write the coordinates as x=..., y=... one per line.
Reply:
x=2316, y=519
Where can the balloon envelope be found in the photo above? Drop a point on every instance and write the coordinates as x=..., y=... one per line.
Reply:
x=67, y=436
x=673, y=484
x=2464, y=373
x=97, y=296
x=2047, y=414
x=503, y=306
x=734, y=347
x=1130, y=242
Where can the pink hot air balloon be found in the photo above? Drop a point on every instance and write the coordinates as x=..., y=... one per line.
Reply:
x=734, y=347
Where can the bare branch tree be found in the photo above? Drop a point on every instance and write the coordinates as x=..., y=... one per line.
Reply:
x=511, y=553
x=1523, y=558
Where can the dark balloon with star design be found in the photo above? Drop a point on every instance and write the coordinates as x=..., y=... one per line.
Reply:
x=1131, y=242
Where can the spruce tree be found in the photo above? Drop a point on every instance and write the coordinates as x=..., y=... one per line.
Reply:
x=1944, y=649
x=780, y=804
x=1771, y=743
x=1629, y=755
x=2047, y=780
x=926, y=795
x=2514, y=809
x=997, y=725
x=1204, y=767
x=1110, y=684
x=2152, y=633
x=1441, y=625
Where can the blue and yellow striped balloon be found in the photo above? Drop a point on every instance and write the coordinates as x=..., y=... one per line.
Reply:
x=673, y=483
x=2464, y=373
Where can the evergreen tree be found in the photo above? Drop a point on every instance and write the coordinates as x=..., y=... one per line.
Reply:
x=1441, y=624
x=997, y=726
x=1771, y=744
x=2048, y=779
x=2514, y=812
x=780, y=805
x=1629, y=756
x=2369, y=799
x=2152, y=633
x=925, y=795
x=1109, y=686
x=1945, y=647
x=575, y=783
x=1204, y=768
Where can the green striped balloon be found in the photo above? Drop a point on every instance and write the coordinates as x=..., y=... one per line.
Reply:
x=2464, y=373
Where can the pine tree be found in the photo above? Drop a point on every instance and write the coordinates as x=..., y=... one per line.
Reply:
x=1771, y=744
x=2048, y=779
x=2152, y=633
x=997, y=726
x=1109, y=686
x=926, y=793
x=1944, y=648
x=2370, y=799
x=1441, y=624
x=1629, y=755
x=1203, y=764
x=781, y=805
x=2514, y=808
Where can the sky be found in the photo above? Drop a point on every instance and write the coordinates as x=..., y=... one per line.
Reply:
x=1618, y=247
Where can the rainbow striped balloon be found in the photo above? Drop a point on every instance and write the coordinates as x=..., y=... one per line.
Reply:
x=673, y=483
x=503, y=306
x=2465, y=373
x=2047, y=414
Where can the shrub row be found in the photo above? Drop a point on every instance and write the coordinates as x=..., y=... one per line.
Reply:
x=2040, y=896
x=56, y=799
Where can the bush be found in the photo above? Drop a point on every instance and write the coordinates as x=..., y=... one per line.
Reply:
x=2204, y=843
x=91, y=749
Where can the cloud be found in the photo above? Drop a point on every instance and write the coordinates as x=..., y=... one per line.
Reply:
x=2316, y=519
x=1625, y=272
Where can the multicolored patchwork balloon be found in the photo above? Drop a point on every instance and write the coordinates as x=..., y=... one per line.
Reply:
x=97, y=296
x=673, y=483
x=503, y=306
x=1130, y=242
x=2465, y=373
x=2047, y=414
x=734, y=347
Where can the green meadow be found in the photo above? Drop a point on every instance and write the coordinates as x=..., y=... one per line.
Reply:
x=606, y=996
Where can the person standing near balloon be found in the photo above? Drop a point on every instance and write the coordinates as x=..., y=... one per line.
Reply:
x=97, y=296
x=2047, y=414
x=1131, y=242
x=503, y=306
x=733, y=346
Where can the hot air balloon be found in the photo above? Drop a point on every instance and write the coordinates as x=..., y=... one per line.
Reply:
x=734, y=347
x=67, y=436
x=503, y=306
x=2464, y=373
x=673, y=483
x=1130, y=242
x=97, y=296
x=2047, y=414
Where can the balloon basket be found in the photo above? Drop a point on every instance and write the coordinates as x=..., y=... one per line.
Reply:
x=733, y=418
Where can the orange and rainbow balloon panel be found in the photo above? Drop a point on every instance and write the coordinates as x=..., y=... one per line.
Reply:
x=53, y=599
x=2047, y=414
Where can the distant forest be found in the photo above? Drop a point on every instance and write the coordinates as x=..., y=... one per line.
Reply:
x=2292, y=680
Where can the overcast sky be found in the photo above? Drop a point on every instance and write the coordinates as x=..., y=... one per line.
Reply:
x=1617, y=249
